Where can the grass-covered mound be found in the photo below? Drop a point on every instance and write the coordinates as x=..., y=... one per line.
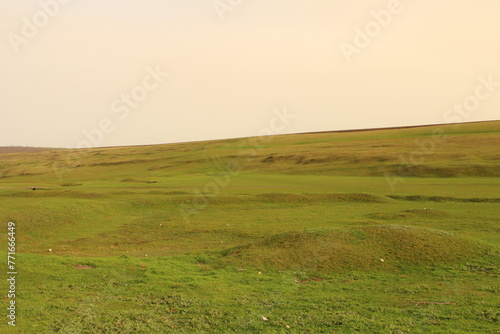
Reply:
x=442, y=199
x=354, y=248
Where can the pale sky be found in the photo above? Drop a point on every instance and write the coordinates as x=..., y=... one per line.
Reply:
x=65, y=69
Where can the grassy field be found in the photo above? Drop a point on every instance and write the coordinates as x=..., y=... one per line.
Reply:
x=383, y=231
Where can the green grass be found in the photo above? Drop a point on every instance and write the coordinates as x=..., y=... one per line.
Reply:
x=303, y=230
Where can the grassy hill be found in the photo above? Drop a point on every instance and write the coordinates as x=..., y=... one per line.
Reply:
x=380, y=231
